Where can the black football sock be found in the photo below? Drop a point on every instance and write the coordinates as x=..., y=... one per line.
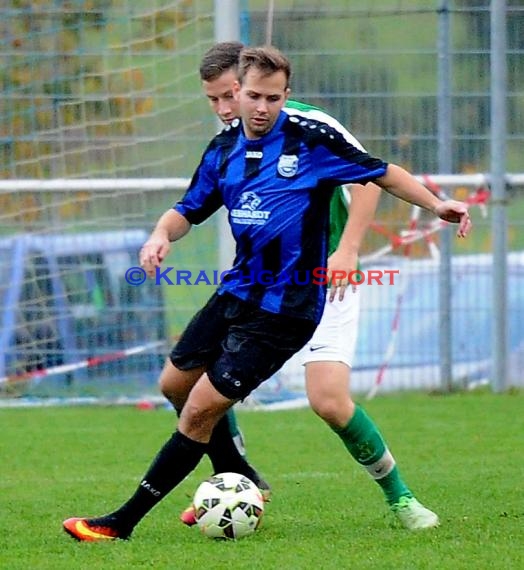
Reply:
x=177, y=458
x=224, y=454
x=221, y=457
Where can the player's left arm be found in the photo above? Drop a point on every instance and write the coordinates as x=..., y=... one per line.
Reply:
x=343, y=261
x=402, y=184
x=339, y=162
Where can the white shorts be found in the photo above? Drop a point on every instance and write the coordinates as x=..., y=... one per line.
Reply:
x=335, y=338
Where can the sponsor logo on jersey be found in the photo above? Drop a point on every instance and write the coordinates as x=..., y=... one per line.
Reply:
x=249, y=213
x=287, y=165
x=249, y=201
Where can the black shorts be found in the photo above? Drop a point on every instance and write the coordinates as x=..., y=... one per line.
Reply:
x=239, y=344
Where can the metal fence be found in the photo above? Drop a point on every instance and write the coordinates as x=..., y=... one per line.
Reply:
x=412, y=80
x=416, y=83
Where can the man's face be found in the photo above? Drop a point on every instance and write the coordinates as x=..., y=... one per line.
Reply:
x=219, y=93
x=260, y=100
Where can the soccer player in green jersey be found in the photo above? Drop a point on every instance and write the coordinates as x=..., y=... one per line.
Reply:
x=328, y=356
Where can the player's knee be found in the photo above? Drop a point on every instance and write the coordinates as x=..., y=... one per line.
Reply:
x=334, y=411
x=324, y=407
x=176, y=384
x=167, y=387
x=197, y=422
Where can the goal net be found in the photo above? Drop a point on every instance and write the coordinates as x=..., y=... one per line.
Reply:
x=95, y=90
x=102, y=121
x=96, y=336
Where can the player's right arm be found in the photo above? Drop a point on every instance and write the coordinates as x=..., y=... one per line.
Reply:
x=171, y=227
x=200, y=201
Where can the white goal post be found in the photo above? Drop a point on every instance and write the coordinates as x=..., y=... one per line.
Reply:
x=146, y=184
x=291, y=377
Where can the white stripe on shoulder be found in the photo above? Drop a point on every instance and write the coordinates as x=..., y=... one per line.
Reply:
x=323, y=117
x=346, y=193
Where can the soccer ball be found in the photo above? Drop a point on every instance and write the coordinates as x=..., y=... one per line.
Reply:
x=228, y=505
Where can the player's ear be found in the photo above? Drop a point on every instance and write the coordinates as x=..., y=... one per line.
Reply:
x=287, y=93
x=236, y=89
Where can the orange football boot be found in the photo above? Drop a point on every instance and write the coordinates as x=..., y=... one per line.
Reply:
x=90, y=530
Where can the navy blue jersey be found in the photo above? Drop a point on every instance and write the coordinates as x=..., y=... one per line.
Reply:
x=277, y=190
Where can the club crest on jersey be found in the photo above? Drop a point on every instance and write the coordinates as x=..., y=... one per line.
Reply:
x=287, y=165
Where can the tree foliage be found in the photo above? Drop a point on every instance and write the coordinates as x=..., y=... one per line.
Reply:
x=61, y=86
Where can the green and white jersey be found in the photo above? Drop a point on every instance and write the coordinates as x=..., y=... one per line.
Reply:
x=340, y=201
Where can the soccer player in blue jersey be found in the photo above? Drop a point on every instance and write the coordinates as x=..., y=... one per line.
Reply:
x=275, y=174
x=328, y=356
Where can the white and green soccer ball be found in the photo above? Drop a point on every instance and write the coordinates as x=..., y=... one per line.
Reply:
x=228, y=505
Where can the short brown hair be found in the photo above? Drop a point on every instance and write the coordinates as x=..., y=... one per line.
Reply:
x=220, y=58
x=267, y=59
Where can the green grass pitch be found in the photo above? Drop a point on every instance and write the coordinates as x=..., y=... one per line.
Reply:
x=461, y=454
